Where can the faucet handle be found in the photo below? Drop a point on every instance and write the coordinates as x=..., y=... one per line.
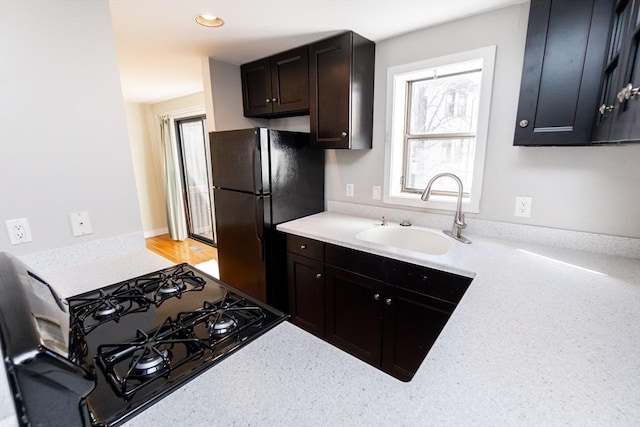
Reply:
x=460, y=221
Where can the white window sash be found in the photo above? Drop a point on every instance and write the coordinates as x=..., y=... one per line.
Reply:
x=397, y=77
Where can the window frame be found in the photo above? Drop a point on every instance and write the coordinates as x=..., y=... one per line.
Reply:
x=396, y=120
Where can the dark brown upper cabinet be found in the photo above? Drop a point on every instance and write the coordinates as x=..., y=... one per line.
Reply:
x=341, y=71
x=564, y=56
x=618, y=118
x=277, y=86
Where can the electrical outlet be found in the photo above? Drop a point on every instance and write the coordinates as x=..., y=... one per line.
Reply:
x=19, y=231
x=80, y=223
x=523, y=206
x=350, y=190
x=375, y=193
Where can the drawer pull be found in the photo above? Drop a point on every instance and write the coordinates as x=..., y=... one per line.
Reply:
x=303, y=246
x=319, y=276
x=376, y=297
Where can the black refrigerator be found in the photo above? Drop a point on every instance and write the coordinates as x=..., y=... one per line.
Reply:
x=261, y=178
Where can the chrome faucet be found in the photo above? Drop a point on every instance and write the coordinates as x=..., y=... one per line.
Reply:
x=458, y=220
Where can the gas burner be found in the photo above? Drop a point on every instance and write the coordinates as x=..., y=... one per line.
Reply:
x=217, y=323
x=96, y=308
x=221, y=325
x=171, y=287
x=150, y=356
x=170, y=282
x=152, y=362
x=109, y=308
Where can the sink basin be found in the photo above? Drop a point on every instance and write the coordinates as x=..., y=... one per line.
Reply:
x=411, y=238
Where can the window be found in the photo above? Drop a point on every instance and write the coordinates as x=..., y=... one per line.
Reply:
x=437, y=122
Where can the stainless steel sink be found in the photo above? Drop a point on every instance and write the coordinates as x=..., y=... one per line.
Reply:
x=411, y=238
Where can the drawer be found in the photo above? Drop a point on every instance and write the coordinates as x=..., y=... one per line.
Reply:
x=364, y=263
x=305, y=247
x=426, y=281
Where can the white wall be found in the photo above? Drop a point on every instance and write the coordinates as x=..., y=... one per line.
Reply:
x=144, y=134
x=594, y=189
x=63, y=133
x=147, y=166
x=223, y=93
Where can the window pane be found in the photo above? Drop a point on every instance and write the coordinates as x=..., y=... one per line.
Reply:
x=445, y=104
x=427, y=157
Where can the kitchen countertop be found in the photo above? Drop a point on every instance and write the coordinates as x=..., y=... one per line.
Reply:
x=533, y=342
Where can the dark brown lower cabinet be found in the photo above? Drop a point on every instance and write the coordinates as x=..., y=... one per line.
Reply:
x=385, y=312
x=306, y=293
x=412, y=322
x=354, y=314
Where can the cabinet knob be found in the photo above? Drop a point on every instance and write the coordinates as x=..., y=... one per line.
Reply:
x=274, y=99
x=344, y=134
x=523, y=123
x=268, y=101
x=424, y=277
x=605, y=108
x=303, y=246
x=376, y=297
x=319, y=276
x=387, y=301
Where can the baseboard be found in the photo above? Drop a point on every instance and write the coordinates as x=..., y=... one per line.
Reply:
x=156, y=232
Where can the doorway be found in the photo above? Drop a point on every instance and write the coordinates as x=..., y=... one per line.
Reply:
x=193, y=142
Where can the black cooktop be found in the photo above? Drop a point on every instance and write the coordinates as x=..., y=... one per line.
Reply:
x=142, y=338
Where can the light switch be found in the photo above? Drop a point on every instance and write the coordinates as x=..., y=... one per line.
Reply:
x=375, y=193
x=80, y=223
x=350, y=189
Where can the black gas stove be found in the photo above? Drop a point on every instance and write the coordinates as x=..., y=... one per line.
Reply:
x=100, y=357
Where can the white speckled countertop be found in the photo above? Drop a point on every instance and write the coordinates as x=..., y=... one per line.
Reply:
x=533, y=342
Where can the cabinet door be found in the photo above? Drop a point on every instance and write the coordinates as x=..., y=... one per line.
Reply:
x=256, y=88
x=605, y=122
x=625, y=124
x=354, y=314
x=330, y=76
x=341, y=71
x=306, y=293
x=564, y=55
x=290, y=81
x=412, y=322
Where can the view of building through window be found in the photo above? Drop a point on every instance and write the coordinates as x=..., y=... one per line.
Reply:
x=438, y=118
x=440, y=135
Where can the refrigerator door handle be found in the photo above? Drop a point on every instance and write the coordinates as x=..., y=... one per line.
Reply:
x=254, y=154
x=259, y=223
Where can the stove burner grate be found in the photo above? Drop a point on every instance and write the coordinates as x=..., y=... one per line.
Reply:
x=168, y=283
x=132, y=365
x=222, y=320
x=92, y=310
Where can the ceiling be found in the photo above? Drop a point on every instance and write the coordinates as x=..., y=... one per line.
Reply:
x=160, y=48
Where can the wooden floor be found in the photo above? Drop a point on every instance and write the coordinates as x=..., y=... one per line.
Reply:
x=189, y=250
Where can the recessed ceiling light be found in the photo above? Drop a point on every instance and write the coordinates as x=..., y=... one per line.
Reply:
x=209, y=20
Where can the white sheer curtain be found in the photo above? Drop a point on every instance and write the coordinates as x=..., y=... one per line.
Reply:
x=176, y=217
